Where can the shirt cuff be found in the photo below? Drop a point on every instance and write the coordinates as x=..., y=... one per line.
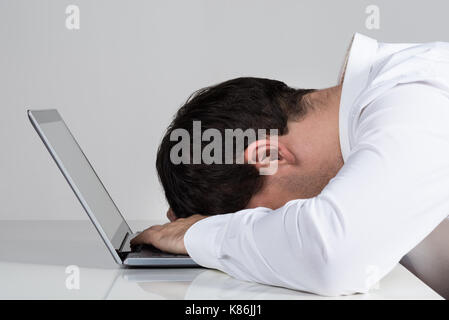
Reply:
x=204, y=238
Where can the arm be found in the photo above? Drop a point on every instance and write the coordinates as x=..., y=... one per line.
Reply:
x=392, y=191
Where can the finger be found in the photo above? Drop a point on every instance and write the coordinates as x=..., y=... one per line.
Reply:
x=137, y=239
x=146, y=235
x=171, y=215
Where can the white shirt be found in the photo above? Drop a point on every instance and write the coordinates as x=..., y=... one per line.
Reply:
x=391, y=192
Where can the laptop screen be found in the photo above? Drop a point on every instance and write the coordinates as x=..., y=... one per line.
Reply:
x=81, y=176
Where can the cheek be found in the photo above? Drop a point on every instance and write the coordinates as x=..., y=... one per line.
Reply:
x=326, y=158
x=320, y=172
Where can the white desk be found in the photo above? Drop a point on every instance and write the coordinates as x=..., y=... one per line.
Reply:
x=34, y=256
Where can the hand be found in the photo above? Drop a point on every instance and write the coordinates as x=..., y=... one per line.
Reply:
x=168, y=237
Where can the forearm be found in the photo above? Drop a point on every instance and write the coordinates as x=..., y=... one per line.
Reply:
x=288, y=247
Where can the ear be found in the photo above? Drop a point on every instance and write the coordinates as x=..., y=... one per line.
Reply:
x=267, y=155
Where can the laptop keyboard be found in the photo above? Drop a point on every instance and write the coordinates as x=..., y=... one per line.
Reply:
x=149, y=247
x=150, y=250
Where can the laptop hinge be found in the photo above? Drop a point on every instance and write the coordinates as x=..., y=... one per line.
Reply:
x=123, y=242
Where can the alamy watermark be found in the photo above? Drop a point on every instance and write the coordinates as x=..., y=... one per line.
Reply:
x=72, y=282
x=373, y=19
x=189, y=147
x=72, y=20
x=372, y=277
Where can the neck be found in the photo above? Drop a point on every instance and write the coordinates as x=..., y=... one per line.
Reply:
x=326, y=99
x=314, y=143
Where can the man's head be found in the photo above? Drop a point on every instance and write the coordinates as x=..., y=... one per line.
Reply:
x=306, y=152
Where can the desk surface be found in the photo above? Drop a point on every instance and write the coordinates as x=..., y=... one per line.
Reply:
x=34, y=256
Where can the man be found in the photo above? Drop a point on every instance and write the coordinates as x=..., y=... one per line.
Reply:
x=362, y=173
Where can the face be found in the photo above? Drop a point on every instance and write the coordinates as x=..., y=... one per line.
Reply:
x=310, y=156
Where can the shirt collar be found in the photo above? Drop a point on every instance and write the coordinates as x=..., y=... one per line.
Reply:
x=354, y=76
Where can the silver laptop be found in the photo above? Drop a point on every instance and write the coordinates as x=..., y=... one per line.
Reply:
x=94, y=197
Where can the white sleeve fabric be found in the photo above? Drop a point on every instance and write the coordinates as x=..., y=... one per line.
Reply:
x=392, y=191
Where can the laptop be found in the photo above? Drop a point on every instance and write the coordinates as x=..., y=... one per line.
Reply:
x=94, y=197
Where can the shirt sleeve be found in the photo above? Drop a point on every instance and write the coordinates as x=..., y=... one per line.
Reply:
x=392, y=191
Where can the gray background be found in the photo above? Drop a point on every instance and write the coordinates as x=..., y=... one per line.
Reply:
x=119, y=79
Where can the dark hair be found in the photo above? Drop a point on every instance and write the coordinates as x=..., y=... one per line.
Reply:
x=245, y=103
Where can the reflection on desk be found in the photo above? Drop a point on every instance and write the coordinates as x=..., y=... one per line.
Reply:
x=35, y=268
x=29, y=281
